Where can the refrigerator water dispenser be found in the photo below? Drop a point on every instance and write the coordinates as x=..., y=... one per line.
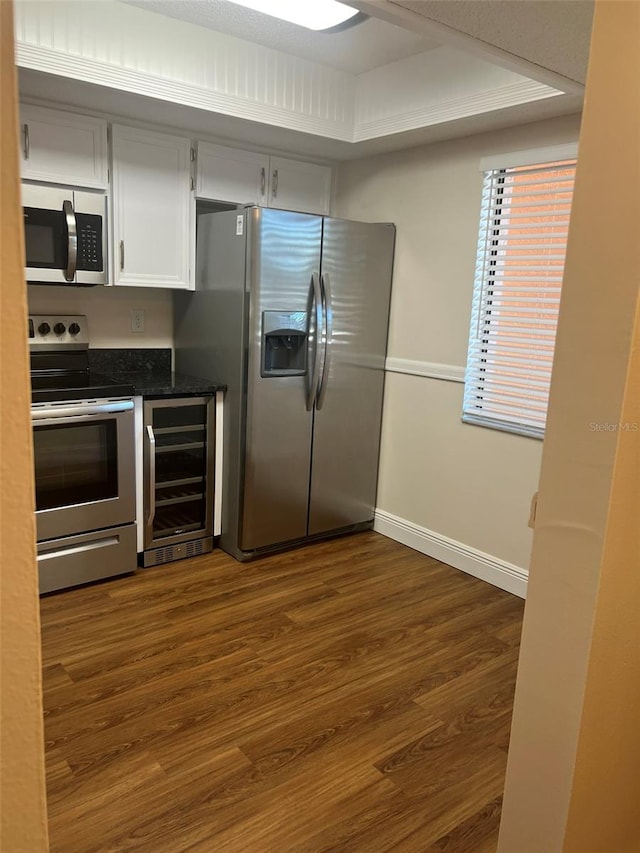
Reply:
x=284, y=343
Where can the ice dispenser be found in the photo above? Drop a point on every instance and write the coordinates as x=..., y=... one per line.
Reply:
x=284, y=343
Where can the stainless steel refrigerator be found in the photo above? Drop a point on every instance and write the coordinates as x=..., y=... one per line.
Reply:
x=291, y=311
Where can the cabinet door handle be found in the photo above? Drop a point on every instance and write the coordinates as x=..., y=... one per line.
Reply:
x=152, y=480
x=121, y=255
x=263, y=181
x=27, y=147
x=274, y=183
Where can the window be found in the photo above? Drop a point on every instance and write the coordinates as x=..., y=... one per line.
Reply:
x=526, y=202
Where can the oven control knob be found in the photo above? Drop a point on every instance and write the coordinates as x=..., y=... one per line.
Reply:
x=44, y=329
x=74, y=328
x=59, y=328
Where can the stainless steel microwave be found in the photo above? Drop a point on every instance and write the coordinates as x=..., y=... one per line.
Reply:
x=64, y=236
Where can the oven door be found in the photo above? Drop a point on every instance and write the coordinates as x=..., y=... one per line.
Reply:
x=84, y=457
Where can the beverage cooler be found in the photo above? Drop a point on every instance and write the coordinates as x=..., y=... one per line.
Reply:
x=179, y=463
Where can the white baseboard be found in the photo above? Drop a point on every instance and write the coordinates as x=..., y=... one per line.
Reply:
x=491, y=569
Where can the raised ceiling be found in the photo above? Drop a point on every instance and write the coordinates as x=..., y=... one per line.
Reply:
x=553, y=35
x=549, y=34
x=356, y=49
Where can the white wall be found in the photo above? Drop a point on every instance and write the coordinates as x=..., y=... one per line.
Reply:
x=108, y=310
x=465, y=483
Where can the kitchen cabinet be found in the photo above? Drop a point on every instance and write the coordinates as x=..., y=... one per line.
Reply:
x=153, y=209
x=246, y=177
x=179, y=471
x=304, y=187
x=63, y=148
x=231, y=174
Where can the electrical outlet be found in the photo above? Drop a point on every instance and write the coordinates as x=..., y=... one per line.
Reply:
x=137, y=320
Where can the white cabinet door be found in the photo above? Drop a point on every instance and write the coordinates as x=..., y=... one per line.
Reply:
x=245, y=177
x=305, y=187
x=63, y=148
x=153, y=209
x=231, y=175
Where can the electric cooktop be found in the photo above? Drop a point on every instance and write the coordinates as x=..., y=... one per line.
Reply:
x=84, y=386
x=58, y=347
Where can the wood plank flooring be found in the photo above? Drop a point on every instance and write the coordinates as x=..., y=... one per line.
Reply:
x=352, y=695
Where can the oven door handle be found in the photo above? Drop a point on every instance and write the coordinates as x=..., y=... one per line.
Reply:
x=152, y=478
x=53, y=412
x=78, y=549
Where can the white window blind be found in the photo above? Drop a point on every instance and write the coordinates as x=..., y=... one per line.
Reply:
x=521, y=251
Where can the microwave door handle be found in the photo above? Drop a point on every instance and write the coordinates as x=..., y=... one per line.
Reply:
x=72, y=236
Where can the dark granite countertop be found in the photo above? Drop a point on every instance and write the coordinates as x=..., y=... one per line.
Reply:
x=149, y=372
x=165, y=383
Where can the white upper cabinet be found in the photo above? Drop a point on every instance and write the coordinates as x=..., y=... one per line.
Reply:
x=153, y=209
x=63, y=148
x=304, y=187
x=245, y=177
x=231, y=175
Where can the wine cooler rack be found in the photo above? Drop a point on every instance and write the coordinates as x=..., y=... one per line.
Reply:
x=179, y=474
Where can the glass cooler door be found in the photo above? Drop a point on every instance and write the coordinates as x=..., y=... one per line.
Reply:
x=179, y=461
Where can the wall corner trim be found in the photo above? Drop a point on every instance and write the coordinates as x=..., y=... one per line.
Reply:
x=488, y=568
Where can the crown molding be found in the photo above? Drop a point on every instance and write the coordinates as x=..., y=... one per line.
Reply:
x=175, y=91
x=512, y=95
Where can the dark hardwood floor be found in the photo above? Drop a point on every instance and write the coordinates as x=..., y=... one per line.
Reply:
x=352, y=695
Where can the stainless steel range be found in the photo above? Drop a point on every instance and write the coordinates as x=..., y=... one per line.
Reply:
x=84, y=453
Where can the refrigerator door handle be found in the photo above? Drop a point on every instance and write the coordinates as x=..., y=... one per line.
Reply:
x=315, y=303
x=325, y=284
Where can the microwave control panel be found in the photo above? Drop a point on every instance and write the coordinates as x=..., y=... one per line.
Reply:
x=89, y=242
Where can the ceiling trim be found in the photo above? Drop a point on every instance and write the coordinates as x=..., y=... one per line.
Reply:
x=475, y=104
x=176, y=91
